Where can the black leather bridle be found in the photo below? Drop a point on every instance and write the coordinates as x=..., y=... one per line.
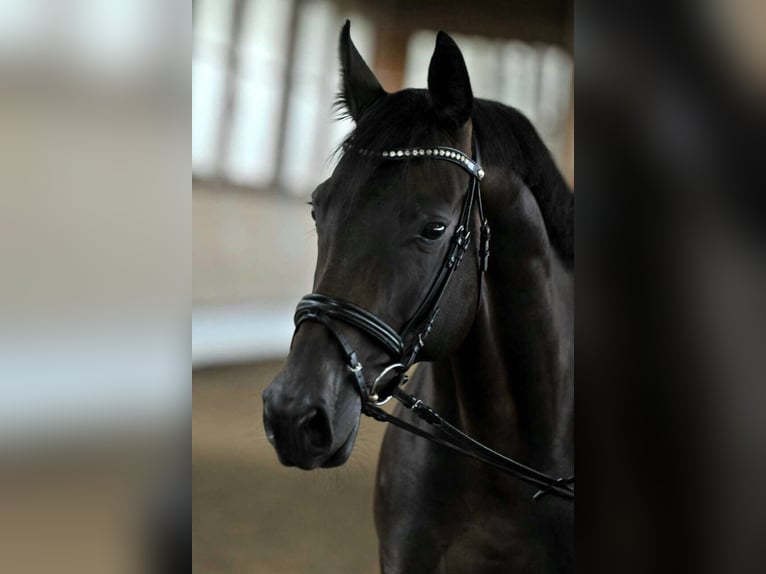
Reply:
x=405, y=347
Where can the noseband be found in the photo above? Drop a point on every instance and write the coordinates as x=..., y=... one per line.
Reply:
x=404, y=347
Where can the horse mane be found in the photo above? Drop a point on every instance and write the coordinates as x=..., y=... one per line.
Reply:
x=406, y=119
x=515, y=141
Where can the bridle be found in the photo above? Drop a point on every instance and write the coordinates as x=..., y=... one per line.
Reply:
x=405, y=347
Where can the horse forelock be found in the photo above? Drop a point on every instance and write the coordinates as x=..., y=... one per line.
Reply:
x=403, y=119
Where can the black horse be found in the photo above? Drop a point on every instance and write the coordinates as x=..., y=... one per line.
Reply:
x=498, y=360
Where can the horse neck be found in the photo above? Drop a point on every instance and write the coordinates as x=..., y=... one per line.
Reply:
x=512, y=375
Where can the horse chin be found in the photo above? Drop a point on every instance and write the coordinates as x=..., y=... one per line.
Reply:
x=340, y=456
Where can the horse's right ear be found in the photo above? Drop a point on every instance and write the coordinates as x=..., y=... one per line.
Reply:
x=449, y=85
x=359, y=86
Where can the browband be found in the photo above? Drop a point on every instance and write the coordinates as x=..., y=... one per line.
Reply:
x=439, y=152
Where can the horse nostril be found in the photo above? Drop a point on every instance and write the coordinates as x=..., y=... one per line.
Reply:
x=269, y=429
x=267, y=426
x=316, y=431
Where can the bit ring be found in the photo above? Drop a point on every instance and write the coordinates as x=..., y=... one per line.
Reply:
x=373, y=396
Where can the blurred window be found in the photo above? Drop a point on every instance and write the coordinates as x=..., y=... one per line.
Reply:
x=265, y=73
x=260, y=118
x=212, y=28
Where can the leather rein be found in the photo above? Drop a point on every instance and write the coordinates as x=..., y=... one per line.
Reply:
x=405, y=347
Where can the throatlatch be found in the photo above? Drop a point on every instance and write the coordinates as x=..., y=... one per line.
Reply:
x=405, y=347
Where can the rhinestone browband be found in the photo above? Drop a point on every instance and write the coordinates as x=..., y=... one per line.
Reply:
x=445, y=153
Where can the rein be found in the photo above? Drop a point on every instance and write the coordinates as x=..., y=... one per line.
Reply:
x=407, y=345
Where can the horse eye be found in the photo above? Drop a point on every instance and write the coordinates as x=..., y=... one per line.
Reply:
x=433, y=230
x=313, y=213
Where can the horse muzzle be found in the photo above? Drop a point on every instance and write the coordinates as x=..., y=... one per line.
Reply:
x=302, y=430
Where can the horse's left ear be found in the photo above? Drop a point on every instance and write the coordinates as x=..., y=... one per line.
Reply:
x=359, y=87
x=449, y=84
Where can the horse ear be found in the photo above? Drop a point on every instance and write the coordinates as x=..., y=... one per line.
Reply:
x=449, y=84
x=359, y=86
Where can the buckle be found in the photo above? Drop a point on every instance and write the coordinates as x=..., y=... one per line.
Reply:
x=355, y=368
x=484, y=247
x=461, y=237
x=460, y=243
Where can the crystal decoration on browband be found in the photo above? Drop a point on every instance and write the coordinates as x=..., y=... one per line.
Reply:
x=445, y=153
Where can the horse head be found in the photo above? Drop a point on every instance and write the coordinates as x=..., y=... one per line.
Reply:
x=384, y=229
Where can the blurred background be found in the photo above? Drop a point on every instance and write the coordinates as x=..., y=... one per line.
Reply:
x=95, y=284
x=264, y=77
